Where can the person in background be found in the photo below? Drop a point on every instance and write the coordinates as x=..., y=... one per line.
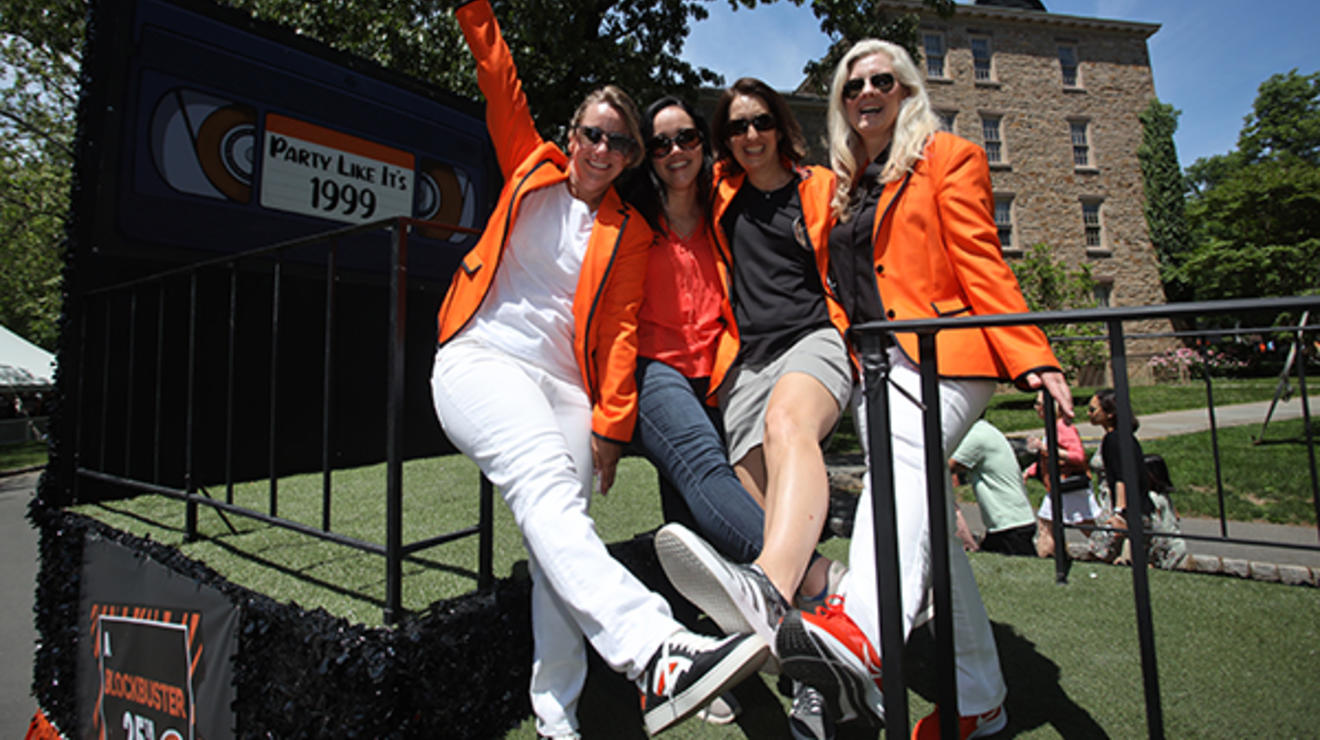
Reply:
x=915, y=238
x=533, y=380
x=1079, y=505
x=985, y=456
x=1164, y=548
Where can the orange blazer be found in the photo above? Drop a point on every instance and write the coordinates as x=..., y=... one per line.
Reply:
x=937, y=253
x=815, y=188
x=609, y=288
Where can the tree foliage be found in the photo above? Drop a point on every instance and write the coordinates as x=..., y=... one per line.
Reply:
x=846, y=22
x=39, y=60
x=1165, y=208
x=1255, y=211
x=1049, y=284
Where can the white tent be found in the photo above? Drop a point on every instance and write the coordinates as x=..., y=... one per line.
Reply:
x=23, y=365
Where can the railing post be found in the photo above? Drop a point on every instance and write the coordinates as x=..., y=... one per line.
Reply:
x=274, y=387
x=1306, y=420
x=327, y=388
x=1062, y=561
x=132, y=373
x=486, y=535
x=946, y=681
x=394, y=421
x=231, y=369
x=190, y=508
x=884, y=518
x=1127, y=454
x=1214, y=441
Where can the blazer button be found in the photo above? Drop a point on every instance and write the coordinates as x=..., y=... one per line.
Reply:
x=890, y=313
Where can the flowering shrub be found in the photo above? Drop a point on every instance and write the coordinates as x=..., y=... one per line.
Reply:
x=1184, y=363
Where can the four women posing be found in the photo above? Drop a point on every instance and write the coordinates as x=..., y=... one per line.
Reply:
x=597, y=330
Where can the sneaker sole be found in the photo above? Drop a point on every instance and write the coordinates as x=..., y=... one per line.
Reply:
x=741, y=662
x=841, y=680
x=696, y=571
x=995, y=725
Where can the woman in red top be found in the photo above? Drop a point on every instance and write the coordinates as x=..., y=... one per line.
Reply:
x=537, y=345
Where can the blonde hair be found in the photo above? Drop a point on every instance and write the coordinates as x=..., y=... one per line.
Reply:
x=622, y=103
x=914, y=126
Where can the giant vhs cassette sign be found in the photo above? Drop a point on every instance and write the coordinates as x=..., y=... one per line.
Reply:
x=222, y=134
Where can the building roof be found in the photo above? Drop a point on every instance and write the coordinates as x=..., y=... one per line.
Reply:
x=23, y=365
x=1008, y=10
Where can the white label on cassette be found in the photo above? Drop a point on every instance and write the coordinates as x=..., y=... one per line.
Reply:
x=316, y=171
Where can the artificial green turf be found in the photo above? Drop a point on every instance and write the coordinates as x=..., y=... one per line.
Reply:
x=1235, y=657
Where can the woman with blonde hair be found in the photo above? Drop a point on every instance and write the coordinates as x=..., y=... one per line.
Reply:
x=915, y=238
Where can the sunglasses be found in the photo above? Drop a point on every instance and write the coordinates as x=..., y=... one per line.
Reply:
x=686, y=138
x=621, y=143
x=763, y=122
x=882, y=81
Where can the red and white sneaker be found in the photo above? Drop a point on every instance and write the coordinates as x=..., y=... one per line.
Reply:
x=976, y=725
x=827, y=650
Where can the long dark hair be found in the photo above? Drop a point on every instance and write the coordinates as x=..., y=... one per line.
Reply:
x=644, y=188
x=1109, y=404
x=791, y=142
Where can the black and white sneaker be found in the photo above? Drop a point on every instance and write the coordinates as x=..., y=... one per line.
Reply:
x=827, y=651
x=808, y=720
x=689, y=670
x=739, y=598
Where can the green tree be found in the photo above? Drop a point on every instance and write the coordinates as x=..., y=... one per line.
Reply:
x=1255, y=211
x=39, y=61
x=846, y=22
x=1165, y=207
x=1049, y=285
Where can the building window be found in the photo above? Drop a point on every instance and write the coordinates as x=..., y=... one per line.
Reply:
x=1104, y=288
x=945, y=118
x=1080, y=144
x=1004, y=221
x=1091, y=224
x=1068, y=64
x=981, y=58
x=994, y=145
x=933, y=45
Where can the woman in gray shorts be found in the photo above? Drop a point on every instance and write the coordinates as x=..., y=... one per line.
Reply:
x=790, y=374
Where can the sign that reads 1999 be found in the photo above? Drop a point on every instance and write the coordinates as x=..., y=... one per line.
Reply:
x=316, y=171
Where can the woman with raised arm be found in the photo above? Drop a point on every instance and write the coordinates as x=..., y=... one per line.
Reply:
x=915, y=238
x=533, y=380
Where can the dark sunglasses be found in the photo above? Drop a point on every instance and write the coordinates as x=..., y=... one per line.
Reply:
x=882, y=81
x=686, y=138
x=621, y=143
x=738, y=126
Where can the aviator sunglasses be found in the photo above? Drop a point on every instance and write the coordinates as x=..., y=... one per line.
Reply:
x=621, y=143
x=882, y=81
x=686, y=138
x=763, y=122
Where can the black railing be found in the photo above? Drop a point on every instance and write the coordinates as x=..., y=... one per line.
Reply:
x=119, y=309
x=872, y=339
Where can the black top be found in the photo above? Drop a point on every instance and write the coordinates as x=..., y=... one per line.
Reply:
x=852, y=256
x=777, y=293
x=1113, y=470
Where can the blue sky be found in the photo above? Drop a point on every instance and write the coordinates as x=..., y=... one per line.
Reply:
x=1208, y=57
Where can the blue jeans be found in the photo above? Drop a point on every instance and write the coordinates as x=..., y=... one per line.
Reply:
x=680, y=435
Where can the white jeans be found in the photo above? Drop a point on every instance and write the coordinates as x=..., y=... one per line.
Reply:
x=530, y=433
x=980, y=682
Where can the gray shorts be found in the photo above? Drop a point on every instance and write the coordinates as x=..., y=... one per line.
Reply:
x=746, y=391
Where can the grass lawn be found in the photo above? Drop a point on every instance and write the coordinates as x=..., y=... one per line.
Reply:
x=1233, y=654
x=23, y=455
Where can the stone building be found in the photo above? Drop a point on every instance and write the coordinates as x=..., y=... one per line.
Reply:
x=1054, y=100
